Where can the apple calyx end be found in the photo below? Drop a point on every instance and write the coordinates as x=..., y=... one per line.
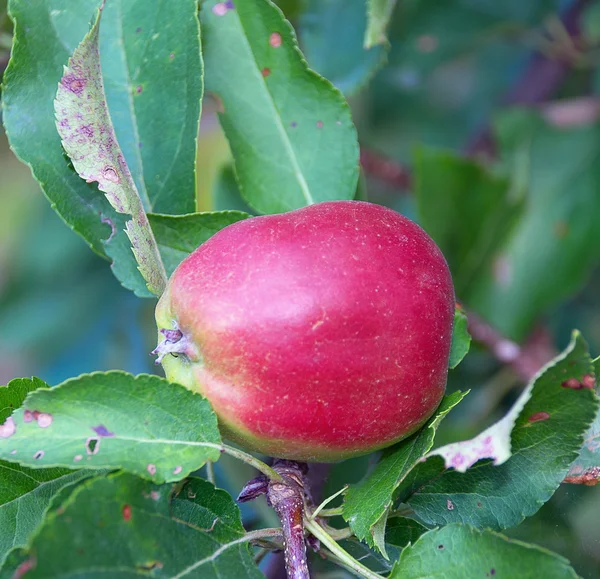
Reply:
x=174, y=342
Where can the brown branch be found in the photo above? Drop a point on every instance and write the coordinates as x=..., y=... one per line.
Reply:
x=287, y=499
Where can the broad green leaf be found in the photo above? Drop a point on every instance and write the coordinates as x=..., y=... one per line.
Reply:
x=152, y=68
x=557, y=241
x=545, y=439
x=178, y=235
x=331, y=34
x=24, y=493
x=461, y=339
x=88, y=137
x=379, y=13
x=290, y=130
x=462, y=552
x=586, y=469
x=30, y=81
x=367, y=503
x=132, y=520
x=30, y=86
x=141, y=424
x=467, y=210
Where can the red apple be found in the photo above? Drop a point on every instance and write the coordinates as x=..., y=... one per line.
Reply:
x=316, y=335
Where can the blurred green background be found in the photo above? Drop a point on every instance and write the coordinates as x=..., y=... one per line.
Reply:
x=516, y=84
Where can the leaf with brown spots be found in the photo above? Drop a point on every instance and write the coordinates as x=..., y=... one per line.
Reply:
x=141, y=424
x=462, y=552
x=586, y=468
x=145, y=533
x=88, y=137
x=533, y=456
x=290, y=130
x=25, y=494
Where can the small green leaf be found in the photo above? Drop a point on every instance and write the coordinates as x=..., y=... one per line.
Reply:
x=461, y=552
x=331, y=34
x=367, y=503
x=13, y=394
x=142, y=424
x=198, y=503
x=379, y=13
x=178, y=235
x=132, y=520
x=534, y=446
x=467, y=210
x=290, y=130
x=461, y=339
x=89, y=139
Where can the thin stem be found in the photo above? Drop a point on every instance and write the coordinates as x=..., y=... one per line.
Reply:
x=327, y=501
x=340, y=563
x=348, y=561
x=260, y=534
x=259, y=465
x=325, y=513
x=339, y=534
x=210, y=472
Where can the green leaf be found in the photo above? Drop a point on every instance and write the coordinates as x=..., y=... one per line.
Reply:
x=401, y=532
x=290, y=130
x=331, y=34
x=132, y=520
x=556, y=243
x=152, y=68
x=586, y=469
x=29, y=87
x=88, y=137
x=178, y=235
x=198, y=503
x=461, y=552
x=367, y=503
x=45, y=36
x=461, y=339
x=379, y=13
x=13, y=394
x=468, y=211
x=25, y=494
x=547, y=435
x=142, y=424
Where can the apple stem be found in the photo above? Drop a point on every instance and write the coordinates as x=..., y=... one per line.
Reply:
x=287, y=497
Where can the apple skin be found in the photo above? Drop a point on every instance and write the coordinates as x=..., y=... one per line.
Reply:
x=317, y=335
